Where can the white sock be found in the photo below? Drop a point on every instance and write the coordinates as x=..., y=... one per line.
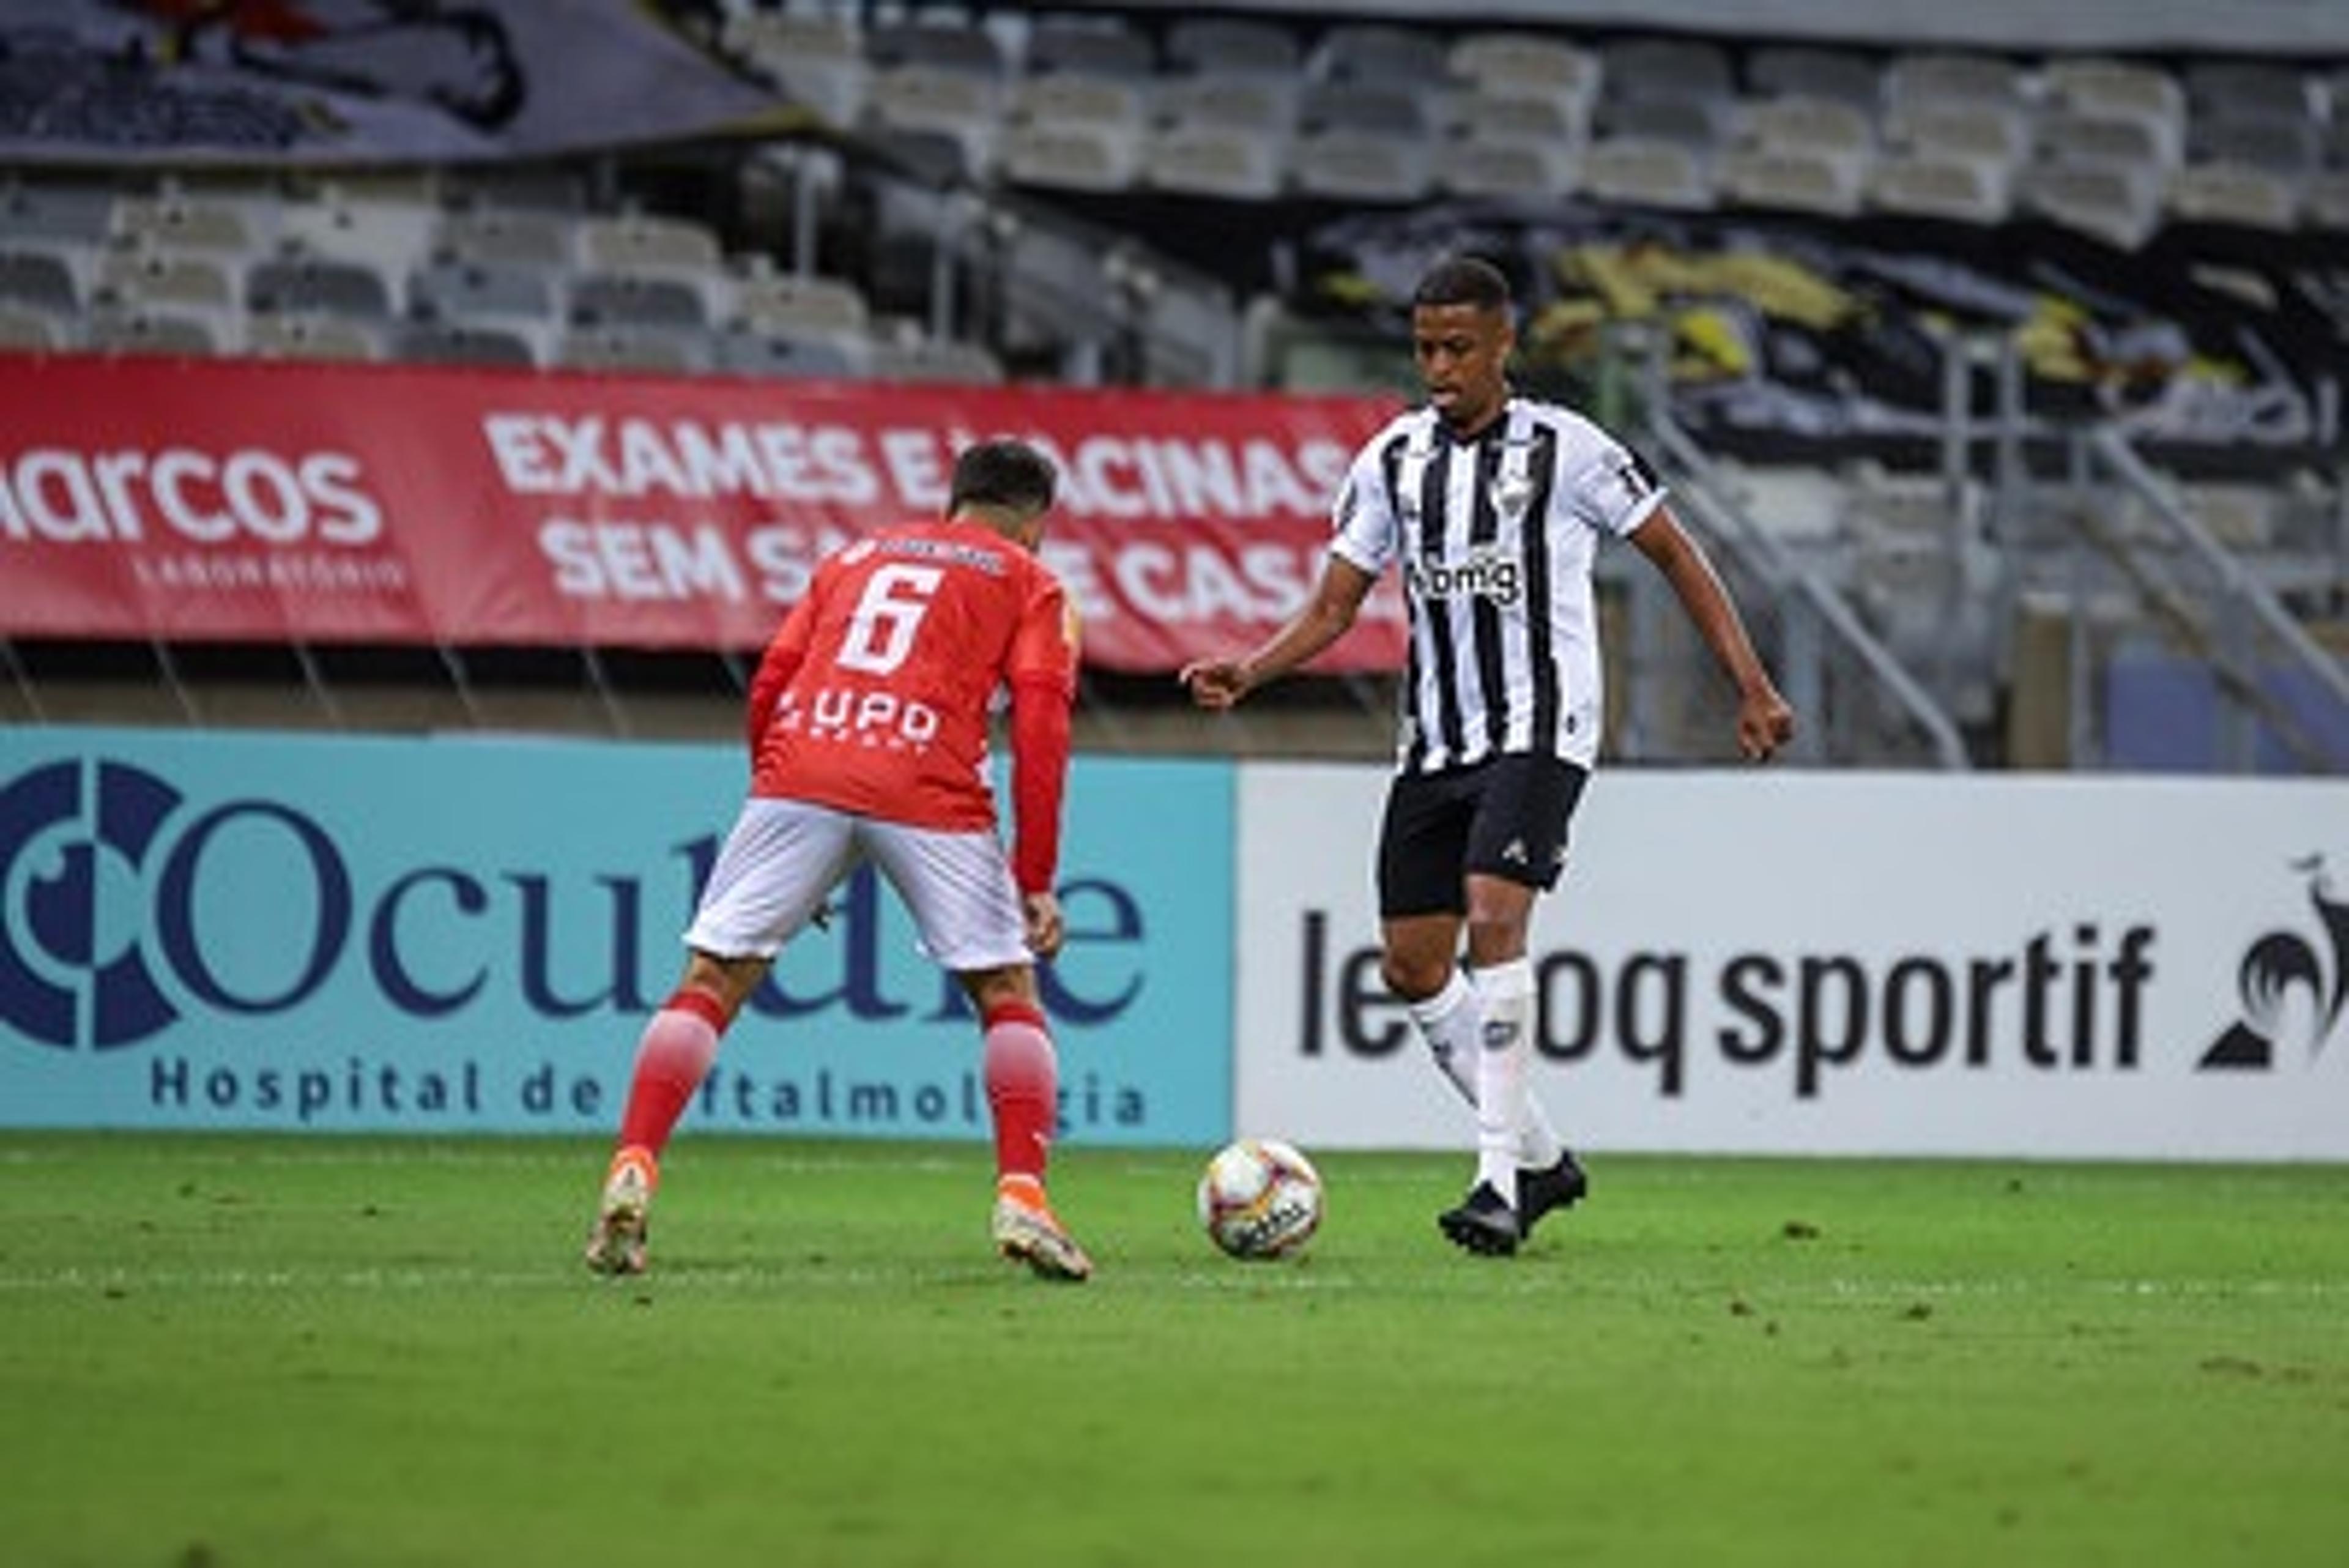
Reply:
x=1505, y=994
x=1452, y=1023
x=1448, y=1022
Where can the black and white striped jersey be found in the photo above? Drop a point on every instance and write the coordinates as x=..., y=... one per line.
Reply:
x=1495, y=536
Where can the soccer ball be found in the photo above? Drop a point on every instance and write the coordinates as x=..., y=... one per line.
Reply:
x=1259, y=1198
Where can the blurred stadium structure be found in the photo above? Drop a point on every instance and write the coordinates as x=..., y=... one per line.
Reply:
x=1999, y=354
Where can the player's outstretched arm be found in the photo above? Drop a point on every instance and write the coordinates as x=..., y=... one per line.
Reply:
x=1219, y=683
x=1764, y=720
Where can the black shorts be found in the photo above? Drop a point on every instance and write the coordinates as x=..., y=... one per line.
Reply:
x=1504, y=817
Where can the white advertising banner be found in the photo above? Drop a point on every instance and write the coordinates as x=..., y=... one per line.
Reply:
x=1779, y=961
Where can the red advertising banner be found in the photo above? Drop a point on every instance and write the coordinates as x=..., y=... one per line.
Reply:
x=207, y=501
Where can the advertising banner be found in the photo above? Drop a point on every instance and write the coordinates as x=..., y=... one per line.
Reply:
x=199, y=502
x=459, y=935
x=1791, y=962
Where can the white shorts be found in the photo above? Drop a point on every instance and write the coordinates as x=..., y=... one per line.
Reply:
x=785, y=857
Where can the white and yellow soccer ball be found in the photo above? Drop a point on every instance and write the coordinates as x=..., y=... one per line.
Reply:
x=1259, y=1198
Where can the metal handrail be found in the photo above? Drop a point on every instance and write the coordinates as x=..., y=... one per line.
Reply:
x=1751, y=541
x=2114, y=450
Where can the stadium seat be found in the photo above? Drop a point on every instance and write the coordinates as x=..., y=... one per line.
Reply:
x=155, y=278
x=1238, y=164
x=1104, y=48
x=313, y=286
x=1640, y=172
x=269, y=335
x=1505, y=167
x=517, y=187
x=1380, y=54
x=493, y=235
x=1070, y=156
x=750, y=353
x=1233, y=47
x=2117, y=89
x=40, y=280
x=1654, y=67
x=1492, y=117
x=1793, y=178
x=461, y=343
x=80, y=214
x=652, y=351
x=418, y=186
x=2125, y=141
x=1696, y=123
x=188, y=331
x=922, y=359
x=391, y=235
x=2326, y=199
x=1264, y=105
x=1073, y=97
x=179, y=222
x=2223, y=89
x=644, y=243
x=1075, y=131
x=966, y=50
x=766, y=301
x=1526, y=65
x=2291, y=145
x=636, y=300
x=945, y=101
x=2118, y=204
x=1356, y=165
x=1806, y=71
x=469, y=291
x=938, y=159
x=1994, y=133
x=1942, y=185
x=2233, y=194
x=1796, y=123
x=1380, y=108
x=816, y=60
x=1937, y=76
x=26, y=330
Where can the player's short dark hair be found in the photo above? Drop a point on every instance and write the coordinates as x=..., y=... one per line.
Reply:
x=1462, y=280
x=1009, y=473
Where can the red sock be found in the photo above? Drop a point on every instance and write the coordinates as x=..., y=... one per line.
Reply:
x=677, y=1049
x=1023, y=1088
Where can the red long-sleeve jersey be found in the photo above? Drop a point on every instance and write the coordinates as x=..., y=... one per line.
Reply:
x=874, y=696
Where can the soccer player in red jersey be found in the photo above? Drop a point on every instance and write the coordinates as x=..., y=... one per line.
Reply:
x=867, y=729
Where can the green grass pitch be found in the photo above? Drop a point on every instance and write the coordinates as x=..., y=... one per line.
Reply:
x=239, y=1352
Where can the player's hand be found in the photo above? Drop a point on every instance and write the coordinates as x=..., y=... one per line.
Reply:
x=1764, y=723
x=1046, y=930
x=1214, y=683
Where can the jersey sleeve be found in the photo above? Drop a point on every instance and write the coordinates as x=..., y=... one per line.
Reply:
x=1044, y=644
x=1041, y=672
x=1614, y=490
x=1363, y=517
x=785, y=653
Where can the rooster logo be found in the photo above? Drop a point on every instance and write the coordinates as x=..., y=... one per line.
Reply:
x=2285, y=978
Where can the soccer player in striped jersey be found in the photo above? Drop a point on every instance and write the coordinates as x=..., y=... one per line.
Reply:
x=867, y=730
x=1492, y=506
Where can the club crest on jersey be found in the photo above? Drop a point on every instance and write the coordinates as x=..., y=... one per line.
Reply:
x=1485, y=572
x=1512, y=493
